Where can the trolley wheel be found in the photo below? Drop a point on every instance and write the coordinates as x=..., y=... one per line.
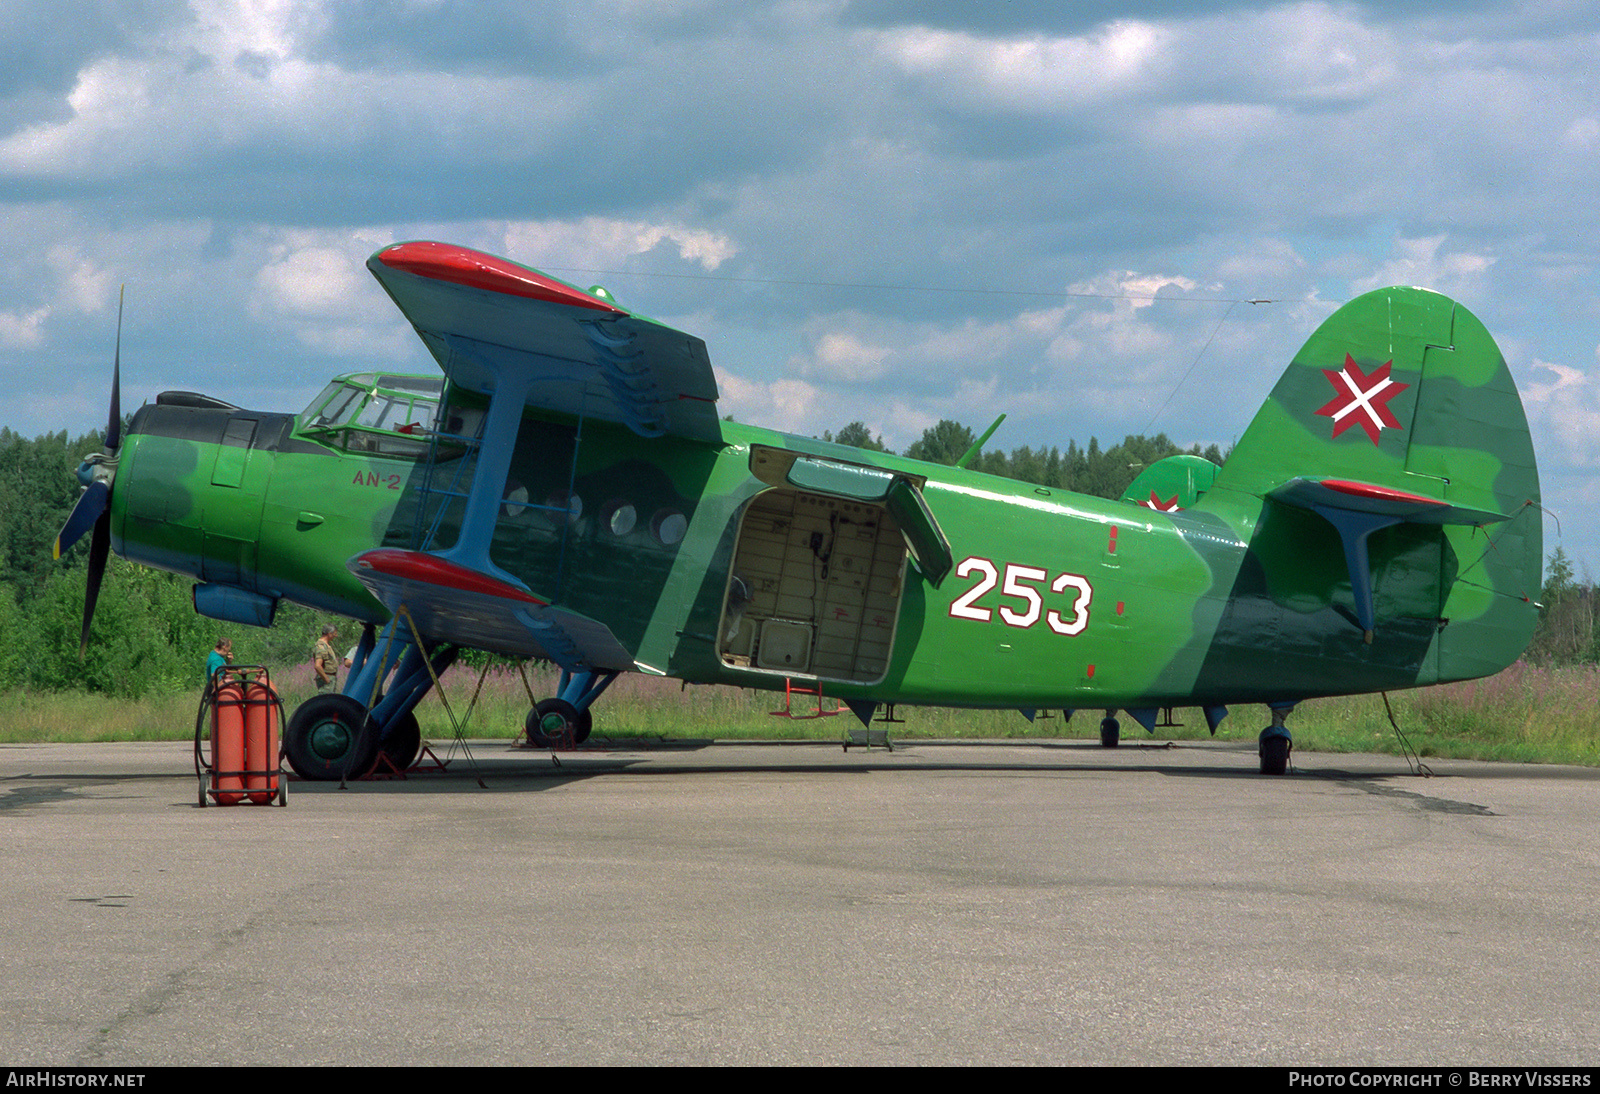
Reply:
x=202, y=785
x=404, y=745
x=330, y=737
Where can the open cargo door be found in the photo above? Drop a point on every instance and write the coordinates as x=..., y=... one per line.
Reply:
x=819, y=565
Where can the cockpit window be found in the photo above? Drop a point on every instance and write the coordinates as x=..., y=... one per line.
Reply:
x=393, y=413
x=328, y=406
x=386, y=415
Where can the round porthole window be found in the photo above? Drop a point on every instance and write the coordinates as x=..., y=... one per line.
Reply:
x=516, y=499
x=668, y=526
x=572, y=503
x=621, y=517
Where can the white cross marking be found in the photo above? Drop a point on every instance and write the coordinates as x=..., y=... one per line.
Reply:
x=1362, y=399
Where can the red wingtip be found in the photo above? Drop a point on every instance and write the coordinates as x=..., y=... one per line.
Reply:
x=464, y=266
x=432, y=570
x=1379, y=493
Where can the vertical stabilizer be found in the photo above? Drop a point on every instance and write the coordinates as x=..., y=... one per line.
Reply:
x=1399, y=421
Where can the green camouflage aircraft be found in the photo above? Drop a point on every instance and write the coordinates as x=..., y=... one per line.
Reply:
x=567, y=491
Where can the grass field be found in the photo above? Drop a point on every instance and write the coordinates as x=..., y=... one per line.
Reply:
x=1525, y=714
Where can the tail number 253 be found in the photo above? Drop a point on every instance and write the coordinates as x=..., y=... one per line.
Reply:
x=1025, y=584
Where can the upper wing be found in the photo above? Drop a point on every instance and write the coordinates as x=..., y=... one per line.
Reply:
x=480, y=315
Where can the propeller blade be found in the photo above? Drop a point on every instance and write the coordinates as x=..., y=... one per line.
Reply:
x=99, y=550
x=114, y=425
x=91, y=505
x=94, y=507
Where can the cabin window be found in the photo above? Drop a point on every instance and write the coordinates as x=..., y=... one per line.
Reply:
x=620, y=517
x=572, y=503
x=668, y=526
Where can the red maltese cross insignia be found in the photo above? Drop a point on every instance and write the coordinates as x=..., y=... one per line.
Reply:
x=1362, y=399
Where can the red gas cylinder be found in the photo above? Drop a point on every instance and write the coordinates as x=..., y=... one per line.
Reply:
x=261, y=740
x=228, y=743
x=243, y=715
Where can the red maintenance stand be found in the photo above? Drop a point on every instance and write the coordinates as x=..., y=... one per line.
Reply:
x=239, y=759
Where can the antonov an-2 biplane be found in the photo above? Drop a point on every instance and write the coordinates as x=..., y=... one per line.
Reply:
x=568, y=491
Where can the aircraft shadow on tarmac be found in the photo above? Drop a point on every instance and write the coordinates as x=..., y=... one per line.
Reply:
x=534, y=770
x=493, y=766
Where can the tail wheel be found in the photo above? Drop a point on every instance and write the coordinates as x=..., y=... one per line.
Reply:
x=1275, y=755
x=556, y=723
x=330, y=737
x=1110, y=732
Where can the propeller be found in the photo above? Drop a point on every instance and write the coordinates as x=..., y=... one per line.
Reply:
x=114, y=422
x=93, y=509
x=85, y=514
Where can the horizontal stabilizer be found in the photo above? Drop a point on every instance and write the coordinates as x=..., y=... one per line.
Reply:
x=1172, y=483
x=1386, y=501
x=1358, y=509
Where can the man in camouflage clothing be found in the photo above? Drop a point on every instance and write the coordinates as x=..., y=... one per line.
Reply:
x=324, y=662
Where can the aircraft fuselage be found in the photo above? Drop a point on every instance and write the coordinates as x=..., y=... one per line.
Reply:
x=708, y=564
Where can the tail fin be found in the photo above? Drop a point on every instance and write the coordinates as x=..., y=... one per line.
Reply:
x=1172, y=483
x=1400, y=411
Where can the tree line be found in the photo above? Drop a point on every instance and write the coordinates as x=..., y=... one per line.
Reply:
x=1101, y=472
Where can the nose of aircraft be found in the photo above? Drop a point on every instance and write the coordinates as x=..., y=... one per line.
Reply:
x=93, y=509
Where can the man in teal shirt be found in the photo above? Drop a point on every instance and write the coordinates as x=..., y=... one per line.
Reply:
x=221, y=655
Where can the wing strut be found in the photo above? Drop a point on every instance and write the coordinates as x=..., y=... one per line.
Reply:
x=499, y=440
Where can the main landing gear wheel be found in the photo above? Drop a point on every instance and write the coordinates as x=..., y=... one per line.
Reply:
x=1110, y=732
x=404, y=745
x=1275, y=750
x=330, y=737
x=556, y=723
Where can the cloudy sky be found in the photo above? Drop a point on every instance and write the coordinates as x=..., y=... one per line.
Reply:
x=891, y=210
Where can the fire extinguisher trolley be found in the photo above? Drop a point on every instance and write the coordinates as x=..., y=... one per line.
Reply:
x=244, y=760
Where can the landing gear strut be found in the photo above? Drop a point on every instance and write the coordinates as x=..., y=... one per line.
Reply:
x=335, y=736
